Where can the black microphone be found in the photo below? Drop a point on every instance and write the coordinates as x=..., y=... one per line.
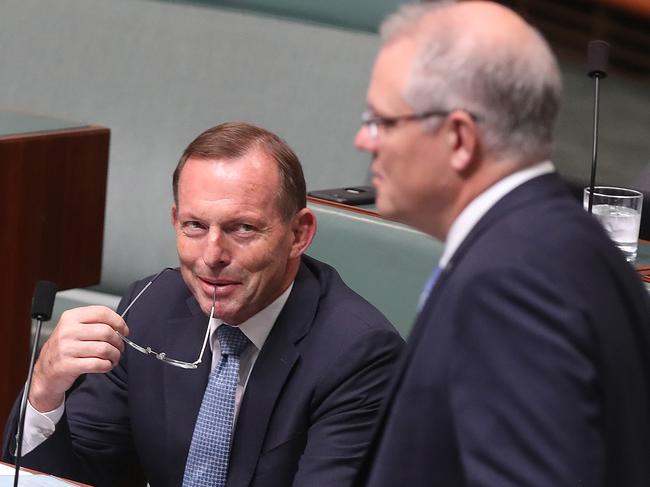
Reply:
x=597, y=57
x=43, y=300
x=42, y=304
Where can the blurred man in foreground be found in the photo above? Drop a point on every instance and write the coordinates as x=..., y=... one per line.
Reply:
x=289, y=387
x=528, y=363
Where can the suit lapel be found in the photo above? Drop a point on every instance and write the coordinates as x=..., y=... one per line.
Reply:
x=535, y=190
x=270, y=372
x=183, y=389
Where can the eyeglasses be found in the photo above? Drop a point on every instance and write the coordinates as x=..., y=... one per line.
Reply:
x=373, y=121
x=162, y=355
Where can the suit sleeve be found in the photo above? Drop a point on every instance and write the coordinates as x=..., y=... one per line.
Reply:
x=523, y=384
x=347, y=404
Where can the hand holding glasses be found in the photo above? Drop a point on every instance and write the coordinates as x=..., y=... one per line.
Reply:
x=162, y=356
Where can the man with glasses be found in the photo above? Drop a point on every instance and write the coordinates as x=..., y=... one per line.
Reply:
x=528, y=363
x=289, y=387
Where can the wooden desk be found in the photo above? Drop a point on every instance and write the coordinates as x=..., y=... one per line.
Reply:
x=52, y=197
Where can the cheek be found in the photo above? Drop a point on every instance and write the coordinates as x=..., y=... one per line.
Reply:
x=266, y=264
x=394, y=160
x=188, y=250
x=260, y=266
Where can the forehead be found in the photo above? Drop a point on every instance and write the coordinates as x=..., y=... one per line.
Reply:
x=252, y=179
x=390, y=75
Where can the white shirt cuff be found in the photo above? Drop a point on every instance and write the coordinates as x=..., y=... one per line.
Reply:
x=39, y=426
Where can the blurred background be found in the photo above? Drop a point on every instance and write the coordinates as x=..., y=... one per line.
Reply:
x=157, y=73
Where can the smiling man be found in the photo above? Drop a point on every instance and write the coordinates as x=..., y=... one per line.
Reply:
x=289, y=388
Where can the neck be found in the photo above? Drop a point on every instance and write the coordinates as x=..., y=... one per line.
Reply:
x=470, y=187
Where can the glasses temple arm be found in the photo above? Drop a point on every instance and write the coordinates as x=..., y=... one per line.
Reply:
x=143, y=290
x=205, y=339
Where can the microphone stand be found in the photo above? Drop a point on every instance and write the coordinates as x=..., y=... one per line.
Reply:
x=598, y=54
x=42, y=304
x=23, y=401
x=594, y=151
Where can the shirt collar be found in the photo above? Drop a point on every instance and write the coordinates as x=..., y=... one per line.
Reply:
x=257, y=327
x=480, y=205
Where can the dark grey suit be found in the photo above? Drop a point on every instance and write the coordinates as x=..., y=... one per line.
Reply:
x=306, y=417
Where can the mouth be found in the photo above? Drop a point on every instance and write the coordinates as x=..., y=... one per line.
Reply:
x=217, y=287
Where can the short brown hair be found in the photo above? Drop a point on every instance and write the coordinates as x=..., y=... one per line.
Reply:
x=233, y=140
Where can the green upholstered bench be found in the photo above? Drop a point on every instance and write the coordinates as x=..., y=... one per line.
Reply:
x=386, y=262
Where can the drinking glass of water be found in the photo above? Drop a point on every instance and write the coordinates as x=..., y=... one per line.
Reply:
x=619, y=211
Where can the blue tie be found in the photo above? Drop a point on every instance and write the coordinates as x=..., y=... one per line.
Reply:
x=207, y=461
x=435, y=274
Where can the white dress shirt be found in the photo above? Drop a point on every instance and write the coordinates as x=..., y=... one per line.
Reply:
x=40, y=426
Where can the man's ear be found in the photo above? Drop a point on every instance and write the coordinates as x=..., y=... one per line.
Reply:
x=174, y=215
x=303, y=228
x=462, y=137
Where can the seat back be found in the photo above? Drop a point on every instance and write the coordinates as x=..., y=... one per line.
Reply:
x=385, y=262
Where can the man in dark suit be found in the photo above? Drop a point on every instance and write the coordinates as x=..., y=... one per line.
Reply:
x=528, y=363
x=309, y=376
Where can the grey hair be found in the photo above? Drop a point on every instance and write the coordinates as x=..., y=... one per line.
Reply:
x=514, y=89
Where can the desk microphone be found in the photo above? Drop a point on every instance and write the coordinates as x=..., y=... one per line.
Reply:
x=597, y=57
x=42, y=304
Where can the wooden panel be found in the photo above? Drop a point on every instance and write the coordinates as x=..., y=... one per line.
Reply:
x=635, y=6
x=52, y=195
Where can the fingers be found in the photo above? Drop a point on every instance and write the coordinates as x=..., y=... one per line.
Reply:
x=90, y=332
x=96, y=314
x=106, y=353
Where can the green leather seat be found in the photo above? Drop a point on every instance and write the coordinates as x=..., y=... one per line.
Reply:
x=385, y=262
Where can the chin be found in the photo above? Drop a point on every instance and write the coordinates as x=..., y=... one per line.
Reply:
x=383, y=205
x=206, y=307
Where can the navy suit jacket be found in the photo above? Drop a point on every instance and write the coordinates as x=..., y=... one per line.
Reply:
x=306, y=417
x=528, y=364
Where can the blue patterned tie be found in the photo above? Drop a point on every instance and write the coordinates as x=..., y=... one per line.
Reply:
x=435, y=274
x=207, y=461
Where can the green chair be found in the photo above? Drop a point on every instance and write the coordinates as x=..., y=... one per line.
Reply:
x=385, y=262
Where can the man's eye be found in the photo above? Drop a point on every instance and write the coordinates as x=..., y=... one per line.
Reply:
x=192, y=227
x=388, y=122
x=245, y=228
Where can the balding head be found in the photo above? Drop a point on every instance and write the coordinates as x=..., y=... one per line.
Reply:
x=482, y=57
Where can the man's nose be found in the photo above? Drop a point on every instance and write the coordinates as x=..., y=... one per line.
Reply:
x=215, y=251
x=363, y=141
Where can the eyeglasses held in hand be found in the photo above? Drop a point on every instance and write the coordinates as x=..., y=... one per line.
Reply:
x=162, y=356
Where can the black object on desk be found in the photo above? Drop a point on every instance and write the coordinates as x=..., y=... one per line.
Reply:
x=350, y=195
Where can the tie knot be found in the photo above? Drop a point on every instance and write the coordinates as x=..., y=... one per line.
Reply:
x=231, y=340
